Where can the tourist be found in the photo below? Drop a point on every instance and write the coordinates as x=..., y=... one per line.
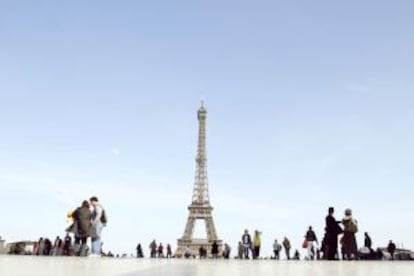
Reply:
x=240, y=250
x=169, y=251
x=67, y=245
x=349, y=245
x=57, y=246
x=214, y=250
x=391, y=249
x=82, y=221
x=160, y=251
x=139, y=251
x=276, y=249
x=48, y=247
x=247, y=242
x=227, y=251
x=256, y=244
x=40, y=247
x=311, y=243
x=286, y=245
x=332, y=231
x=153, y=249
x=379, y=254
x=98, y=222
x=368, y=241
x=203, y=252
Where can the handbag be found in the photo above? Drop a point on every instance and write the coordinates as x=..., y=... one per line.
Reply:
x=305, y=243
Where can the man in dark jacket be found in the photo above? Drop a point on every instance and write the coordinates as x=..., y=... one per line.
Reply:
x=332, y=231
x=311, y=243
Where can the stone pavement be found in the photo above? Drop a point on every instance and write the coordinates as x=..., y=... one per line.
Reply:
x=62, y=266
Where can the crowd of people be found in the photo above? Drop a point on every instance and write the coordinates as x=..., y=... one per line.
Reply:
x=90, y=218
x=342, y=232
x=156, y=251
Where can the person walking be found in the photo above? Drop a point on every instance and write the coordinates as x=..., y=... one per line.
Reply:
x=311, y=243
x=247, y=243
x=98, y=223
x=287, y=246
x=332, y=231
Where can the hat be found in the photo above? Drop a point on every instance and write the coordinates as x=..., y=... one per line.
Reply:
x=348, y=212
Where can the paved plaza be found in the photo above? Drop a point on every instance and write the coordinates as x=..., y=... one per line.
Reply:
x=59, y=266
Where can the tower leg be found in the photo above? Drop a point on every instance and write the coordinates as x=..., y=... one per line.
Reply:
x=189, y=228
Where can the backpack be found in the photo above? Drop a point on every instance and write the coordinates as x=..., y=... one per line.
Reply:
x=353, y=226
x=104, y=218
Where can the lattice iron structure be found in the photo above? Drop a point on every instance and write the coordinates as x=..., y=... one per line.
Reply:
x=200, y=208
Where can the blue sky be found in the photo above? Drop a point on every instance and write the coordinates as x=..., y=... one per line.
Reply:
x=310, y=105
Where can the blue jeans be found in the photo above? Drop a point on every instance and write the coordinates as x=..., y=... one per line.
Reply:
x=96, y=241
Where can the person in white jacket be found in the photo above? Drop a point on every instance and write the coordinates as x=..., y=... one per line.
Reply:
x=97, y=226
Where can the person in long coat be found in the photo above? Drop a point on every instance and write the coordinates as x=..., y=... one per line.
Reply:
x=332, y=231
x=82, y=223
x=349, y=245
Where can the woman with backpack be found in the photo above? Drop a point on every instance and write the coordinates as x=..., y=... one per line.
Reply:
x=349, y=244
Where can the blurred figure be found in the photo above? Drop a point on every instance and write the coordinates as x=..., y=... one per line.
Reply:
x=256, y=244
x=391, y=249
x=332, y=231
x=99, y=220
x=227, y=251
x=57, y=247
x=140, y=254
x=247, y=243
x=82, y=221
x=311, y=243
x=160, y=251
x=286, y=245
x=67, y=245
x=349, y=244
x=276, y=249
x=169, y=251
x=240, y=250
x=202, y=252
x=367, y=241
x=214, y=250
x=296, y=256
x=153, y=248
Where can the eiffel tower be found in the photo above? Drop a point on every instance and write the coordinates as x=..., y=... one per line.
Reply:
x=200, y=208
